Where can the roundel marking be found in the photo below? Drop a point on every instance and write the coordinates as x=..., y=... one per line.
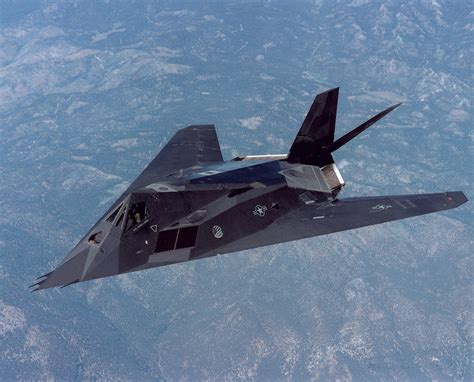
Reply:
x=217, y=232
x=260, y=210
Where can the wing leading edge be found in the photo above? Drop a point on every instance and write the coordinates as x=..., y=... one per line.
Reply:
x=346, y=214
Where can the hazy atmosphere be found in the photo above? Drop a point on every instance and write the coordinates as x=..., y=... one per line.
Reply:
x=91, y=90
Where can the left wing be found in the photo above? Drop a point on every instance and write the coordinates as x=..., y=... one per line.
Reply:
x=189, y=146
x=344, y=214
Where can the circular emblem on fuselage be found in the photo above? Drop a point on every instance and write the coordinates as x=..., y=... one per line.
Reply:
x=217, y=232
x=260, y=210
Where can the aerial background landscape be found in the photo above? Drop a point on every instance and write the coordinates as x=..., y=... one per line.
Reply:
x=91, y=90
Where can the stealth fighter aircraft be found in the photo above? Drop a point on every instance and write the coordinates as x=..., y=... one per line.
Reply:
x=190, y=204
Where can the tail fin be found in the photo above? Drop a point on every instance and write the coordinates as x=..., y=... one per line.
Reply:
x=316, y=134
x=359, y=129
x=315, y=140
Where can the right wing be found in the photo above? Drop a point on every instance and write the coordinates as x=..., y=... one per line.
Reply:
x=345, y=214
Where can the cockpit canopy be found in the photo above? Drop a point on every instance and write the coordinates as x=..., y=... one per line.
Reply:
x=129, y=215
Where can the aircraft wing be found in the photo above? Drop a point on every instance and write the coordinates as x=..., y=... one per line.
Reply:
x=190, y=146
x=344, y=214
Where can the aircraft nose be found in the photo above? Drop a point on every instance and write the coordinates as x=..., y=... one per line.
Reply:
x=86, y=261
x=67, y=273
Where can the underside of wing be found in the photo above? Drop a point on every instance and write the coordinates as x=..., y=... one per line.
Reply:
x=345, y=214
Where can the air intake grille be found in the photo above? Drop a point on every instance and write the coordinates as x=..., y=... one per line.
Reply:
x=332, y=177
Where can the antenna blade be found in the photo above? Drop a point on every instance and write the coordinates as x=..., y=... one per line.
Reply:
x=359, y=129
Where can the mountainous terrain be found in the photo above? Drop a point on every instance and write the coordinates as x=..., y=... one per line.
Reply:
x=89, y=93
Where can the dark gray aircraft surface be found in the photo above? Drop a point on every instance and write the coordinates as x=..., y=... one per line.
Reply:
x=190, y=204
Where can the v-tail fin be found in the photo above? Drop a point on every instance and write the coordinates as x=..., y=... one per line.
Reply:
x=316, y=134
x=359, y=129
x=315, y=140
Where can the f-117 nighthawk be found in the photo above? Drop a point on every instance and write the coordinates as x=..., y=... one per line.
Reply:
x=190, y=204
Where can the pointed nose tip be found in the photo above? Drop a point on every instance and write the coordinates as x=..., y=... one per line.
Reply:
x=67, y=273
